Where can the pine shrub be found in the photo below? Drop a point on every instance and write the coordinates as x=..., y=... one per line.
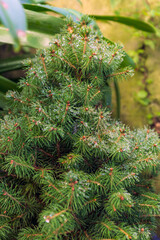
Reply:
x=67, y=169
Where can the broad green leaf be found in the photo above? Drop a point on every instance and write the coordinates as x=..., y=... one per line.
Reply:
x=75, y=15
x=138, y=24
x=13, y=17
x=34, y=39
x=13, y=63
x=6, y=84
x=63, y=11
x=43, y=23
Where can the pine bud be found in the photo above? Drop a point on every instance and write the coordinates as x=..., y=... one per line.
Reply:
x=122, y=198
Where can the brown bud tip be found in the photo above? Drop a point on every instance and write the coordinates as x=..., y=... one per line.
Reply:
x=82, y=122
x=111, y=169
x=122, y=198
x=102, y=116
x=70, y=29
x=15, y=124
x=49, y=91
x=86, y=109
x=95, y=77
x=4, y=212
x=121, y=150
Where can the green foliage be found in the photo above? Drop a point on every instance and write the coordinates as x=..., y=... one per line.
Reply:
x=68, y=171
